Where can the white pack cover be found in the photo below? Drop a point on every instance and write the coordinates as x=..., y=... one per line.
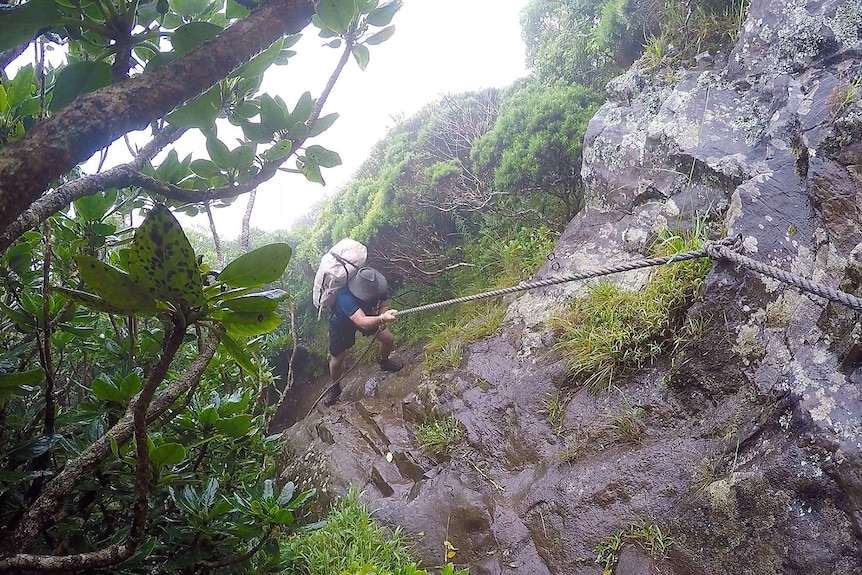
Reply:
x=336, y=267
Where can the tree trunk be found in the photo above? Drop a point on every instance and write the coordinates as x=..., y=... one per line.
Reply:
x=246, y=223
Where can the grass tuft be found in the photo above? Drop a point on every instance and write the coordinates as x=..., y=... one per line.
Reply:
x=612, y=331
x=349, y=537
x=440, y=436
x=647, y=536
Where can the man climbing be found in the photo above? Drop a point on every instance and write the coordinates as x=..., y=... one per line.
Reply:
x=361, y=306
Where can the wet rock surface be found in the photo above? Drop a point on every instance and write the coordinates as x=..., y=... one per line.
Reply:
x=749, y=455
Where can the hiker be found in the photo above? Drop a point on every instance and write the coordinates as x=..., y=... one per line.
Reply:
x=361, y=306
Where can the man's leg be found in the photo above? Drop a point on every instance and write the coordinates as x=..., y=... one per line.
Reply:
x=336, y=365
x=387, y=344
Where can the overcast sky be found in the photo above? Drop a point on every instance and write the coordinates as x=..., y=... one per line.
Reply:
x=439, y=47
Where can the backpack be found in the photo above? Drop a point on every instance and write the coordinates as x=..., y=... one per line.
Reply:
x=336, y=267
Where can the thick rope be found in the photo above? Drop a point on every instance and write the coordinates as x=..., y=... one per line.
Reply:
x=717, y=251
x=727, y=243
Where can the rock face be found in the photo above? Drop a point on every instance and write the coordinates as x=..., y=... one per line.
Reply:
x=750, y=457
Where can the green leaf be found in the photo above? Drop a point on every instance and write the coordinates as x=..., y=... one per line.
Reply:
x=23, y=321
x=161, y=260
x=323, y=157
x=286, y=493
x=278, y=151
x=4, y=100
x=241, y=157
x=361, y=55
x=22, y=86
x=322, y=124
x=94, y=302
x=381, y=36
x=93, y=208
x=303, y=109
x=325, y=31
x=272, y=114
x=219, y=152
x=208, y=415
x=234, y=10
x=131, y=385
x=114, y=286
x=261, y=266
x=248, y=324
x=311, y=171
x=337, y=14
x=199, y=113
x=106, y=391
x=20, y=25
x=382, y=16
x=32, y=377
x=189, y=36
x=298, y=132
x=189, y=7
x=79, y=78
x=168, y=454
x=282, y=517
x=34, y=448
x=239, y=355
x=205, y=168
x=263, y=301
x=235, y=426
x=261, y=63
x=258, y=133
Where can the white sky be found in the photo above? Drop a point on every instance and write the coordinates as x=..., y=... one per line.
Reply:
x=439, y=47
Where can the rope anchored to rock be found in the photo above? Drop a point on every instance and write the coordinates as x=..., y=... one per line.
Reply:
x=725, y=249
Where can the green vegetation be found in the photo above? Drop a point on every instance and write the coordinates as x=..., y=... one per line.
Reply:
x=554, y=409
x=611, y=331
x=348, y=537
x=648, y=537
x=628, y=427
x=440, y=436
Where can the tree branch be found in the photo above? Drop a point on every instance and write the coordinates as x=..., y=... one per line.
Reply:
x=56, y=145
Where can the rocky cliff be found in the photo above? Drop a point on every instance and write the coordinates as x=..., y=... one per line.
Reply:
x=748, y=457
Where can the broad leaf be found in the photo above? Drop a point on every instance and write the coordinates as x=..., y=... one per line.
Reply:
x=261, y=266
x=264, y=301
x=248, y=324
x=20, y=25
x=189, y=36
x=34, y=448
x=235, y=426
x=311, y=171
x=114, y=286
x=278, y=151
x=205, y=168
x=381, y=36
x=273, y=115
x=323, y=157
x=79, y=78
x=239, y=355
x=162, y=261
x=199, y=113
x=168, y=454
x=382, y=16
x=189, y=7
x=93, y=208
x=219, y=152
x=31, y=377
x=303, y=109
x=361, y=55
x=337, y=14
x=94, y=302
x=322, y=124
x=105, y=390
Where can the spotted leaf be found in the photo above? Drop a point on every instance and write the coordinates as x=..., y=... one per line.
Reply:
x=114, y=286
x=162, y=261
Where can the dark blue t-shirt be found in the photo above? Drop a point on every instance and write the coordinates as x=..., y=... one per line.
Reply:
x=346, y=304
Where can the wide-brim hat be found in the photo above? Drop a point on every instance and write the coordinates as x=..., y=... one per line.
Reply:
x=368, y=285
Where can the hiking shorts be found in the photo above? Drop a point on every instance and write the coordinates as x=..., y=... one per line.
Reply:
x=342, y=334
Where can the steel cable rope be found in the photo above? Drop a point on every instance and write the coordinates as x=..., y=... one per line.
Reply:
x=724, y=249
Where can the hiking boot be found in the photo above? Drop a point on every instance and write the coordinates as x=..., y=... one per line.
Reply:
x=391, y=365
x=331, y=395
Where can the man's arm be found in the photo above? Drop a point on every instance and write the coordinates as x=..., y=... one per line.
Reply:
x=368, y=322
